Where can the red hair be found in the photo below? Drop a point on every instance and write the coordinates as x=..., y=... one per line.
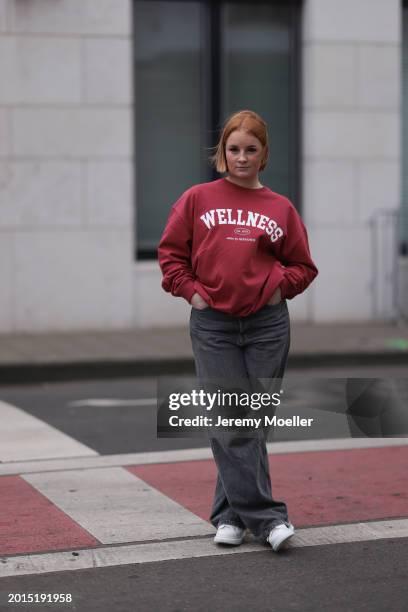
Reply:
x=246, y=120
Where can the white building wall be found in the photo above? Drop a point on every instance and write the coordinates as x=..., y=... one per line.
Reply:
x=351, y=151
x=66, y=168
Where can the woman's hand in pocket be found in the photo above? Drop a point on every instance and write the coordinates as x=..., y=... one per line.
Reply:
x=276, y=297
x=198, y=302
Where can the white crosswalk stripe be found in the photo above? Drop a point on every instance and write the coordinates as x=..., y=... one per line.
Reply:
x=25, y=437
x=116, y=506
x=106, y=402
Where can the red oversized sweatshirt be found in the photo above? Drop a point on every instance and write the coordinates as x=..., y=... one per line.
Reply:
x=234, y=246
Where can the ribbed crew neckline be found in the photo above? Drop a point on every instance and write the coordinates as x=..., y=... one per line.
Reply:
x=251, y=189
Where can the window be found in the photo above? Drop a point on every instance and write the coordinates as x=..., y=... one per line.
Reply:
x=194, y=64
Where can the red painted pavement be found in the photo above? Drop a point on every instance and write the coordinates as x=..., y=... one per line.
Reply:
x=29, y=522
x=319, y=488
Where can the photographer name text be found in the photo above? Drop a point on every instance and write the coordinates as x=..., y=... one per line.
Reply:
x=205, y=421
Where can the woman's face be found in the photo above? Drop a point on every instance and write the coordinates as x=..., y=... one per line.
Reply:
x=243, y=153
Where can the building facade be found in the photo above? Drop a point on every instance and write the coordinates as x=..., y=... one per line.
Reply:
x=108, y=110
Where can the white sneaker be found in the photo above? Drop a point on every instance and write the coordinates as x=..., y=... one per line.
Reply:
x=229, y=534
x=280, y=534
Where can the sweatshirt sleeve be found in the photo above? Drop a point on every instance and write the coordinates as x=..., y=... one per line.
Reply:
x=174, y=252
x=300, y=269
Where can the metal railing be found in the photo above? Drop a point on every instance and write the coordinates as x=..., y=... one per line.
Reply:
x=389, y=265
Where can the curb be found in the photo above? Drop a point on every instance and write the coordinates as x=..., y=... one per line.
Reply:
x=29, y=373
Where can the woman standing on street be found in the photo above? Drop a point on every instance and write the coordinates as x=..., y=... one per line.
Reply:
x=236, y=251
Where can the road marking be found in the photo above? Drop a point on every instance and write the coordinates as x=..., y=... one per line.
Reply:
x=193, y=548
x=25, y=437
x=29, y=522
x=322, y=488
x=189, y=454
x=115, y=506
x=105, y=402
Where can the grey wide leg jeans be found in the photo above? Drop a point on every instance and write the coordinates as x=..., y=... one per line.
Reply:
x=251, y=347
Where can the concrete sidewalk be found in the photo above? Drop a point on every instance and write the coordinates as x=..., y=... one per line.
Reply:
x=89, y=354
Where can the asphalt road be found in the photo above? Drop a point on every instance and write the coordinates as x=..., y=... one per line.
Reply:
x=356, y=577
x=119, y=422
x=352, y=577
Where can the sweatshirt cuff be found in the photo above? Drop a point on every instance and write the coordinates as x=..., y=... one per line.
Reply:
x=187, y=290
